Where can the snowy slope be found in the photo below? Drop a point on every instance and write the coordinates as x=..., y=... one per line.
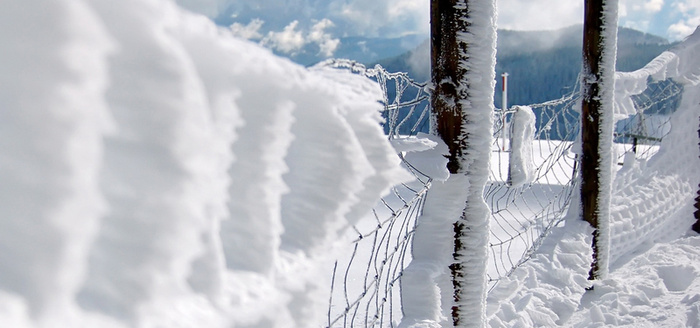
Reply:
x=157, y=172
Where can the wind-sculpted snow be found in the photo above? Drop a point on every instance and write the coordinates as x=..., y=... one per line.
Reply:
x=653, y=280
x=157, y=172
x=652, y=199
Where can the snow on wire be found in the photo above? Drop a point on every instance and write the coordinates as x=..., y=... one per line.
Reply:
x=521, y=216
x=366, y=283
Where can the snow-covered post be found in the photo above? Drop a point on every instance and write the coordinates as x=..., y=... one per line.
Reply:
x=463, y=57
x=504, y=108
x=599, y=51
x=696, y=226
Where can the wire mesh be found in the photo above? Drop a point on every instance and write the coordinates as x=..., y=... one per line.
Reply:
x=366, y=284
x=522, y=216
x=642, y=133
x=366, y=289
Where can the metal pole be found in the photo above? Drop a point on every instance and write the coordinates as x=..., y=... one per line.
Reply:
x=504, y=108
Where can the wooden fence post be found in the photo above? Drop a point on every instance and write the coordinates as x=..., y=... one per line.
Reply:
x=599, y=51
x=696, y=226
x=463, y=42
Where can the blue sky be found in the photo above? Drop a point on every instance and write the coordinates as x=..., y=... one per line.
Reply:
x=290, y=23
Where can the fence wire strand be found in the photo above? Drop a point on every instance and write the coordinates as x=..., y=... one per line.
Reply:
x=371, y=273
x=521, y=217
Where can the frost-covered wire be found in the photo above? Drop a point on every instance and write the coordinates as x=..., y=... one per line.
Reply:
x=523, y=215
x=366, y=282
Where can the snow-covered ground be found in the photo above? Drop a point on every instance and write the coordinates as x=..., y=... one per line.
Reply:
x=654, y=278
x=157, y=172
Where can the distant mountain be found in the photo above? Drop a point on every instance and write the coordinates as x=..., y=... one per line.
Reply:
x=542, y=65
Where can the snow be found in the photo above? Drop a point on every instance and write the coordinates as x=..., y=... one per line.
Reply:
x=158, y=172
x=479, y=82
x=521, y=168
x=426, y=153
x=427, y=292
x=653, y=279
x=456, y=206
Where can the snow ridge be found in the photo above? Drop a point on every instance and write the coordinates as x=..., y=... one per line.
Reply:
x=158, y=172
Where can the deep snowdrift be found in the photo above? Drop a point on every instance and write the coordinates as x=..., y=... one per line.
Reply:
x=158, y=172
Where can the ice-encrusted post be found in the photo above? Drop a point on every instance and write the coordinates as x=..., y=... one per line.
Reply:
x=599, y=51
x=463, y=37
x=696, y=226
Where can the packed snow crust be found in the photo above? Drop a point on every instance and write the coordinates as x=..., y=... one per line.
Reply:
x=157, y=172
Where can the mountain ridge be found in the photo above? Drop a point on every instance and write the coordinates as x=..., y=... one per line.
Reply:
x=542, y=65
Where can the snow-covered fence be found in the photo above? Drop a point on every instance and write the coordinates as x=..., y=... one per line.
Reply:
x=366, y=278
x=642, y=130
x=406, y=102
x=523, y=214
x=366, y=282
x=366, y=290
x=653, y=196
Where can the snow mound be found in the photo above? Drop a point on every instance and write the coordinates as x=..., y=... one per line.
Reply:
x=158, y=172
x=545, y=292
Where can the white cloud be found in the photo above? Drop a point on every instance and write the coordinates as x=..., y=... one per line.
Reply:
x=680, y=30
x=689, y=11
x=622, y=9
x=381, y=17
x=653, y=6
x=391, y=18
x=326, y=43
x=539, y=14
x=291, y=40
x=251, y=31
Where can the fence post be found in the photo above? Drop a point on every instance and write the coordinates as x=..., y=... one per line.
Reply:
x=504, y=108
x=599, y=51
x=696, y=226
x=463, y=42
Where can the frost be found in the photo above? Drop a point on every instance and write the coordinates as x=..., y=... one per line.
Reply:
x=522, y=168
x=158, y=172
